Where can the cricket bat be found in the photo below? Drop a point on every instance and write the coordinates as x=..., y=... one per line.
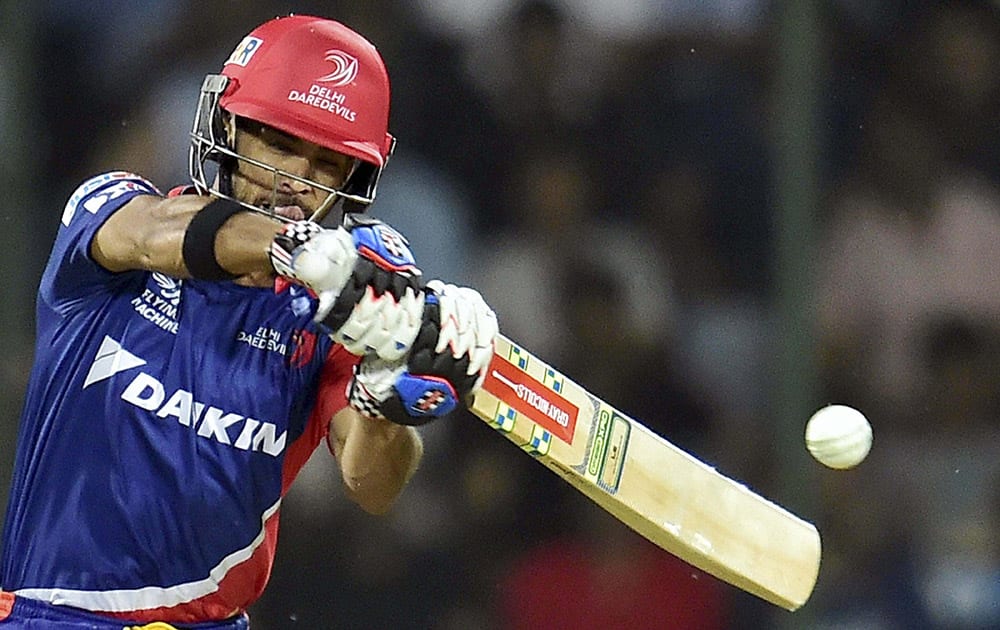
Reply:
x=675, y=500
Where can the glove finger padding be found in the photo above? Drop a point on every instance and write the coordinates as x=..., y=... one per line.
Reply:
x=378, y=309
x=467, y=326
x=447, y=363
x=379, y=323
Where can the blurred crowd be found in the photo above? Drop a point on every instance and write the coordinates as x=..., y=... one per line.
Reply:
x=602, y=170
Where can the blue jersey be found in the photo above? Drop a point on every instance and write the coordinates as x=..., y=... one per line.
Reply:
x=163, y=422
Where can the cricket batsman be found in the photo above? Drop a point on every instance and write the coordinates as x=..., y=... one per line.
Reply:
x=195, y=348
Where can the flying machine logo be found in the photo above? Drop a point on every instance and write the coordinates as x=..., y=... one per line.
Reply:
x=159, y=306
x=324, y=96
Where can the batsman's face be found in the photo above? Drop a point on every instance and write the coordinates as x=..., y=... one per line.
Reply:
x=294, y=158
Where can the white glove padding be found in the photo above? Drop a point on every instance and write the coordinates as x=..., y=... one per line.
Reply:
x=468, y=327
x=369, y=289
x=379, y=324
x=448, y=362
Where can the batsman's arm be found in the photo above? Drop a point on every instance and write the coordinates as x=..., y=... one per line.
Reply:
x=148, y=233
x=377, y=457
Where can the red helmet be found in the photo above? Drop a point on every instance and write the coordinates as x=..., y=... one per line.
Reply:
x=313, y=78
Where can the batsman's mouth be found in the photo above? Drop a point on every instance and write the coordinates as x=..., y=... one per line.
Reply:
x=292, y=213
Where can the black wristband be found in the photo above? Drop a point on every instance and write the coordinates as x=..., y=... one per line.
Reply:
x=199, y=240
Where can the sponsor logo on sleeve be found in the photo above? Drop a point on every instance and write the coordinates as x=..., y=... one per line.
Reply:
x=114, y=185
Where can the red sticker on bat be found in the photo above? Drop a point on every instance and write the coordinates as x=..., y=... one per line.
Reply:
x=527, y=396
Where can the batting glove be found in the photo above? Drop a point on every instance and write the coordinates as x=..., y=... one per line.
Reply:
x=369, y=287
x=446, y=365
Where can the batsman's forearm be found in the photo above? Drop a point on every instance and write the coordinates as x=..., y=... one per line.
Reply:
x=148, y=233
x=377, y=459
x=241, y=246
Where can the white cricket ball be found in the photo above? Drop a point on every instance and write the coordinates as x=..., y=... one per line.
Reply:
x=839, y=436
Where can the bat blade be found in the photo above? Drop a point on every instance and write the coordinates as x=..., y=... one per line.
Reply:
x=673, y=499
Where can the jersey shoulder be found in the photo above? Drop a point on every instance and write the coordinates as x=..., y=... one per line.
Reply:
x=97, y=191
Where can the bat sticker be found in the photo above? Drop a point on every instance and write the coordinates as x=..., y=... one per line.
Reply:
x=529, y=397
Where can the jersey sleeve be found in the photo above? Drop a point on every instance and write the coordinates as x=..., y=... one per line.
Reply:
x=333, y=383
x=71, y=272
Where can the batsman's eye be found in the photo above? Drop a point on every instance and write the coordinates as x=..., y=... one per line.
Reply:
x=282, y=147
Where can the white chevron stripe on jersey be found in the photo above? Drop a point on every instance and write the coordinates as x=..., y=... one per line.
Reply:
x=111, y=359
